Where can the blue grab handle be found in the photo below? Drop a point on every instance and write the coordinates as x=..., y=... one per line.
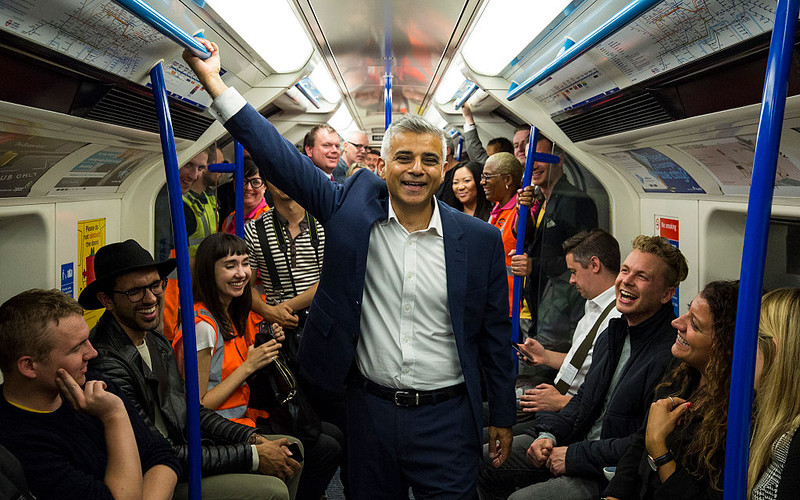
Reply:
x=184, y=277
x=464, y=98
x=164, y=26
x=630, y=12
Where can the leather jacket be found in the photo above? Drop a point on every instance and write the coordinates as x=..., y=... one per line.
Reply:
x=224, y=443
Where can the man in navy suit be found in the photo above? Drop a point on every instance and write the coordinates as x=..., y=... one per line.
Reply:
x=408, y=316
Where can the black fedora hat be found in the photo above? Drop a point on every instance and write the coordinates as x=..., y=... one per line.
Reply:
x=114, y=260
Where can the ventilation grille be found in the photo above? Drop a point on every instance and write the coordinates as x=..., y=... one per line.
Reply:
x=639, y=111
x=129, y=109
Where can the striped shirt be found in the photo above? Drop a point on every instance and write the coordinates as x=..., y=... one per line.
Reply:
x=305, y=262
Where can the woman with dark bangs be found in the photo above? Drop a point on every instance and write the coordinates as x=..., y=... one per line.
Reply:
x=680, y=451
x=226, y=356
x=221, y=290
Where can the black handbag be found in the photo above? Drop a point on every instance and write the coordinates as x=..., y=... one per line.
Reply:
x=274, y=389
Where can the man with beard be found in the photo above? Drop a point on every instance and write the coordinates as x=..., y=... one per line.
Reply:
x=134, y=354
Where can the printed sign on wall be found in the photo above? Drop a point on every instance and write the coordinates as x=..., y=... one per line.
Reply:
x=667, y=227
x=68, y=279
x=91, y=236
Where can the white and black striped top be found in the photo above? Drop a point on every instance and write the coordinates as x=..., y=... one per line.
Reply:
x=766, y=488
x=305, y=268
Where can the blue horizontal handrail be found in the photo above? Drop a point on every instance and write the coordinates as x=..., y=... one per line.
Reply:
x=165, y=27
x=618, y=21
x=754, y=251
x=464, y=98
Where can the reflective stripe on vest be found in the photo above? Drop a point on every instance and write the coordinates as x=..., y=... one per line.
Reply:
x=205, y=216
x=234, y=353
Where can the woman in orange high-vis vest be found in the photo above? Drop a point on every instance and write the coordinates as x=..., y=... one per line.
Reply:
x=502, y=176
x=221, y=289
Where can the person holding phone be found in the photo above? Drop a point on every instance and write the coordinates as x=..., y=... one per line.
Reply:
x=225, y=358
x=592, y=258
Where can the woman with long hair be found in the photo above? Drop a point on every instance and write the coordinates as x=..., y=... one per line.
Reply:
x=469, y=195
x=226, y=356
x=221, y=290
x=680, y=451
x=775, y=448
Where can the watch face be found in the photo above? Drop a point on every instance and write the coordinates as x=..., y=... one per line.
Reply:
x=652, y=463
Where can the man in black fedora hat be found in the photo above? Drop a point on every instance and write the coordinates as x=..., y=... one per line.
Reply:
x=132, y=351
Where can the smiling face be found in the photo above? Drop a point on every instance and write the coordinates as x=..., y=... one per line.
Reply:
x=325, y=151
x=232, y=275
x=71, y=350
x=191, y=171
x=545, y=175
x=494, y=183
x=695, y=334
x=414, y=169
x=253, y=196
x=371, y=160
x=136, y=318
x=641, y=286
x=464, y=186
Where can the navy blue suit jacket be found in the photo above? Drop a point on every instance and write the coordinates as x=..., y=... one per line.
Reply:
x=476, y=274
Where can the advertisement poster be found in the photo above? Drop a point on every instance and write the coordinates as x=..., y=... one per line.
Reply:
x=25, y=158
x=103, y=171
x=667, y=227
x=730, y=161
x=655, y=171
x=91, y=236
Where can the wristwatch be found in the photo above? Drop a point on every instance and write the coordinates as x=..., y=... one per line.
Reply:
x=657, y=462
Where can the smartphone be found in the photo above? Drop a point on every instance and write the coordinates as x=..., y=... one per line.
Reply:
x=516, y=348
x=265, y=333
x=294, y=449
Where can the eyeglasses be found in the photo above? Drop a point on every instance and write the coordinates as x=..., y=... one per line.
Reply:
x=486, y=177
x=359, y=146
x=137, y=294
x=255, y=182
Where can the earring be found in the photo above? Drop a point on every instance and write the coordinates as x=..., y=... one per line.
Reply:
x=506, y=187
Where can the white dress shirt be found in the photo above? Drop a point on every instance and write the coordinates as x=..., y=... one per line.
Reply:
x=592, y=310
x=407, y=337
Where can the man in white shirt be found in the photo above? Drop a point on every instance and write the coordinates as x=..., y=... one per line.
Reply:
x=593, y=263
x=411, y=313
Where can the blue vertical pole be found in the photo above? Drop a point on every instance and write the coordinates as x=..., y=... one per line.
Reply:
x=460, y=148
x=184, y=277
x=522, y=222
x=238, y=187
x=755, y=248
x=387, y=95
x=387, y=64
